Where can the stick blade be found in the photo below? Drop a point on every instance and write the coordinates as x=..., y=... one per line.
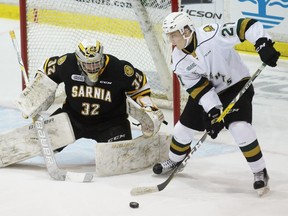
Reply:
x=143, y=190
x=88, y=177
x=79, y=177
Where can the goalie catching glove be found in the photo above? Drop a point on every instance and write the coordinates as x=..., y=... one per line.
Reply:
x=147, y=113
x=37, y=96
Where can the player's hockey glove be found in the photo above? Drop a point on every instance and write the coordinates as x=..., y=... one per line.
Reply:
x=268, y=54
x=210, y=120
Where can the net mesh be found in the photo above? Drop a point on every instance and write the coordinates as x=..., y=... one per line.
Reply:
x=55, y=27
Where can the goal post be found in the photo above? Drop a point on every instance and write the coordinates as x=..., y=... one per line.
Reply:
x=129, y=29
x=23, y=33
x=176, y=85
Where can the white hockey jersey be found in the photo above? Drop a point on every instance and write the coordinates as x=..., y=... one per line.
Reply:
x=215, y=58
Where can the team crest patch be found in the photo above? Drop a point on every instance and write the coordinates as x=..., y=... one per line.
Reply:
x=208, y=28
x=128, y=70
x=61, y=60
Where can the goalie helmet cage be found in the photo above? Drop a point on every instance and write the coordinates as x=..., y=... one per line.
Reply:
x=129, y=29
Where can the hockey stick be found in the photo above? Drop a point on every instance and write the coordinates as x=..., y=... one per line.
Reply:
x=54, y=171
x=151, y=189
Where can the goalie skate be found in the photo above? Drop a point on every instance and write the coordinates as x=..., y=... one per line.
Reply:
x=22, y=143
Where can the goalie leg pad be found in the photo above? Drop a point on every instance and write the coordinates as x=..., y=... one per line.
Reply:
x=37, y=96
x=22, y=143
x=115, y=158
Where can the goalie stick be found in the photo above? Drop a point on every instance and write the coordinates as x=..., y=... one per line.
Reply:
x=54, y=171
x=151, y=189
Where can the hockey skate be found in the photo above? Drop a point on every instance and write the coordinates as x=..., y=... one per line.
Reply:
x=261, y=179
x=165, y=167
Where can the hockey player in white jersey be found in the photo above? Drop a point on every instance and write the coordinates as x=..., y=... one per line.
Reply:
x=212, y=73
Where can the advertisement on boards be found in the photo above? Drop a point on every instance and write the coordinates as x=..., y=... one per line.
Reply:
x=204, y=11
x=273, y=14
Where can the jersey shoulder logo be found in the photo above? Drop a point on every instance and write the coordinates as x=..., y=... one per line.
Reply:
x=208, y=28
x=61, y=60
x=128, y=70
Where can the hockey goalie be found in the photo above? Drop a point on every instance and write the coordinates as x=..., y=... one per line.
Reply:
x=96, y=87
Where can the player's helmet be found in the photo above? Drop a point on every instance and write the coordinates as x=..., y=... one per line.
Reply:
x=176, y=21
x=90, y=58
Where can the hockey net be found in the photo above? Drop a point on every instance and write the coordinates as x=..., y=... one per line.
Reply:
x=128, y=29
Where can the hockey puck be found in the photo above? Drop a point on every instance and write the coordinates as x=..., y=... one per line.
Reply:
x=134, y=204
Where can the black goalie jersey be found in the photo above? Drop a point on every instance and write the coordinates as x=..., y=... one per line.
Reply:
x=106, y=100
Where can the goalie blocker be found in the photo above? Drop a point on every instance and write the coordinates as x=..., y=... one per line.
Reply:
x=37, y=96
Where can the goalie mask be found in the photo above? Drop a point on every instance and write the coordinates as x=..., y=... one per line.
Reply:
x=178, y=21
x=90, y=59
